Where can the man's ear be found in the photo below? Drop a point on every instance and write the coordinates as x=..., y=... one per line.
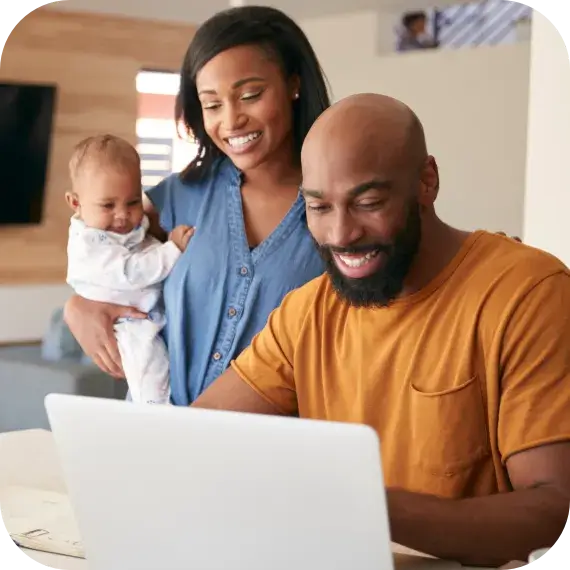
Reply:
x=72, y=200
x=429, y=182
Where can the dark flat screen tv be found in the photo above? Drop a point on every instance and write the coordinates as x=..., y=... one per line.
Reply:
x=26, y=121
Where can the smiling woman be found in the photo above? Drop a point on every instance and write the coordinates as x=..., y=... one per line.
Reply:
x=250, y=89
x=247, y=115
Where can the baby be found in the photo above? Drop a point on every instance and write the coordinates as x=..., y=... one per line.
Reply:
x=113, y=259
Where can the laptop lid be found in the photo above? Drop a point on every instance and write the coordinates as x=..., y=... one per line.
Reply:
x=161, y=487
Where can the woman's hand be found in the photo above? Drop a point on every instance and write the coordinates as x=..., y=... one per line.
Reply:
x=91, y=323
x=516, y=238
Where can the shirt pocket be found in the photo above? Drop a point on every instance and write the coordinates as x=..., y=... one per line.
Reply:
x=449, y=430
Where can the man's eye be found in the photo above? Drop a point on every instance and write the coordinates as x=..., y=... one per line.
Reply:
x=318, y=208
x=371, y=205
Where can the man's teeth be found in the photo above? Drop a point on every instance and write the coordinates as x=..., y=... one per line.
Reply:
x=358, y=261
x=240, y=141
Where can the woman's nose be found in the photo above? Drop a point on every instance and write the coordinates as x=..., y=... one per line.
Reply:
x=233, y=118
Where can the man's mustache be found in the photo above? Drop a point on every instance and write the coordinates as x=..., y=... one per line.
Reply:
x=356, y=249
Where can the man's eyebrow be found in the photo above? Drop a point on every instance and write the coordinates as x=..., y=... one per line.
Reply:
x=236, y=85
x=310, y=193
x=375, y=184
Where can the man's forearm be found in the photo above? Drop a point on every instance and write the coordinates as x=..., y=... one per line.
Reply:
x=485, y=531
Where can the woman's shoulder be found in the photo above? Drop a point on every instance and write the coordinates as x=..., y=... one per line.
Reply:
x=176, y=193
x=177, y=182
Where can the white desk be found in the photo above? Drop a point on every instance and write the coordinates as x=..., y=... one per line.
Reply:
x=29, y=459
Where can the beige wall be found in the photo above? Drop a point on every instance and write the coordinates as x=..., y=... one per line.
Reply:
x=94, y=60
x=547, y=203
x=474, y=106
x=26, y=310
x=473, y=103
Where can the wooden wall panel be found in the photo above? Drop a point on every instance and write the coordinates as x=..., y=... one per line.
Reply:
x=94, y=60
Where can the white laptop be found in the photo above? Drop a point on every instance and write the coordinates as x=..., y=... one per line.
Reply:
x=167, y=488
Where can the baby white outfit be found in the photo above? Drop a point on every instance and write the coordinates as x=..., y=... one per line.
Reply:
x=127, y=270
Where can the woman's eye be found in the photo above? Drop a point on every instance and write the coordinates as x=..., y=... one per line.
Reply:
x=251, y=96
x=210, y=106
x=107, y=206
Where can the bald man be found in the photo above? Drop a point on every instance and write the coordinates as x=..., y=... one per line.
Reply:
x=454, y=346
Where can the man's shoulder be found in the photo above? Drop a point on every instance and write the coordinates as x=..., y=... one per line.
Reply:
x=496, y=278
x=312, y=301
x=303, y=309
x=499, y=258
x=314, y=290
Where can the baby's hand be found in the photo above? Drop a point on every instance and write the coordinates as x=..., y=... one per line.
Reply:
x=181, y=235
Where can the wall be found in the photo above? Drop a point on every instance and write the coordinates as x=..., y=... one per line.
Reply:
x=547, y=203
x=94, y=60
x=26, y=310
x=196, y=12
x=157, y=10
x=473, y=103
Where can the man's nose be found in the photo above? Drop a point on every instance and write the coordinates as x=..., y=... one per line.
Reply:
x=343, y=230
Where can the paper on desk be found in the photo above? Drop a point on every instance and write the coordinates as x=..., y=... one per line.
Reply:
x=41, y=520
x=411, y=562
x=44, y=521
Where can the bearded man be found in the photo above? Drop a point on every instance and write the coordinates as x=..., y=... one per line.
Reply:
x=454, y=346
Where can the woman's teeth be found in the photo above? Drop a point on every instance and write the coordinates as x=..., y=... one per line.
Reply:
x=353, y=261
x=236, y=142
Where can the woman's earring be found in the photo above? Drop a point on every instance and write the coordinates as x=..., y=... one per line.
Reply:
x=296, y=96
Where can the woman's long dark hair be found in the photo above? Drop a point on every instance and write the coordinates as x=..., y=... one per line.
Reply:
x=249, y=25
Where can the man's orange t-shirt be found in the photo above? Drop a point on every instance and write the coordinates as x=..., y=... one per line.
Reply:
x=455, y=379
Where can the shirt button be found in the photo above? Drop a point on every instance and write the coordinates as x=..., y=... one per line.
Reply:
x=232, y=312
x=243, y=270
x=217, y=356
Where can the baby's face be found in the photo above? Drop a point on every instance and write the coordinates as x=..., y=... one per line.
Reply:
x=109, y=200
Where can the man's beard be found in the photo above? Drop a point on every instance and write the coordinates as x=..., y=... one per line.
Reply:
x=383, y=286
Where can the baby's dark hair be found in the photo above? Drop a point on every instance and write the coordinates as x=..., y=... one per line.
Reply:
x=270, y=29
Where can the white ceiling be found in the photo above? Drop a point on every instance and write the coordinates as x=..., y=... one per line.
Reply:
x=196, y=11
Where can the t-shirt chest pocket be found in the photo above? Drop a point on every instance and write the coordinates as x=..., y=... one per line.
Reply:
x=449, y=429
